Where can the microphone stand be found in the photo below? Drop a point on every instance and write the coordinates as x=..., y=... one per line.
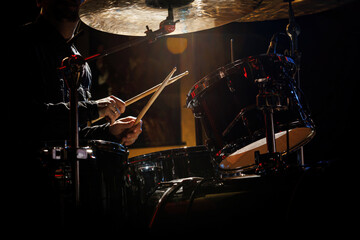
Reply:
x=74, y=67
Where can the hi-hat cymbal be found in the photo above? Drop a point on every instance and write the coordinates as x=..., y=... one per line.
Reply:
x=278, y=9
x=130, y=17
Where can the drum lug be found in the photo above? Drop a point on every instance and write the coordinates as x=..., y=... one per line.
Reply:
x=269, y=163
x=272, y=100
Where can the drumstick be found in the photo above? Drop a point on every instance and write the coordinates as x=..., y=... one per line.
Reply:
x=154, y=96
x=153, y=89
x=148, y=92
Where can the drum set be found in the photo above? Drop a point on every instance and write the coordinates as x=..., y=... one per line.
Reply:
x=252, y=111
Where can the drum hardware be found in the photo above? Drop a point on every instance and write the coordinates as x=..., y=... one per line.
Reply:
x=268, y=101
x=173, y=187
x=293, y=31
x=74, y=66
x=101, y=164
x=235, y=121
x=269, y=163
x=232, y=50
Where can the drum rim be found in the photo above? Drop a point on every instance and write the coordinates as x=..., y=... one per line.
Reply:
x=152, y=155
x=87, y=143
x=200, y=86
x=217, y=159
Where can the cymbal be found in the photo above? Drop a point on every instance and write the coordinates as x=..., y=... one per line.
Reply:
x=278, y=9
x=130, y=17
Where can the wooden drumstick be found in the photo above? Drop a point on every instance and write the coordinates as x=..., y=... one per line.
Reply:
x=148, y=92
x=153, y=89
x=154, y=96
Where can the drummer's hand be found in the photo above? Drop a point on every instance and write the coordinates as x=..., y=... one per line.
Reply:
x=111, y=108
x=125, y=130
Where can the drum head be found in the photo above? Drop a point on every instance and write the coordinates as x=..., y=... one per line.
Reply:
x=245, y=156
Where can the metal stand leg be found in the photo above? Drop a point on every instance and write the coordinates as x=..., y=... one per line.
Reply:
x=293, y=31
x=73, y=69
x=271, y=162
x=270, y=133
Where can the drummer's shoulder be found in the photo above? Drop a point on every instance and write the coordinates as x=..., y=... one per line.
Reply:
x=25, y=31
x=26, y=27
x=33, y=28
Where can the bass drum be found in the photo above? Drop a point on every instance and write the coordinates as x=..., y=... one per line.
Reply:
x=100, y=165
x=226, y=103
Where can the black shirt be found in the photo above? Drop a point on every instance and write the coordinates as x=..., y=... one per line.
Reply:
x=42, y=88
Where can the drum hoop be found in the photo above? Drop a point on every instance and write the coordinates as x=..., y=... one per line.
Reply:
x=96, y=145
x=171, y=152
x=249, y=169
x=245, y=141
x=199, y=87
x=108, y=146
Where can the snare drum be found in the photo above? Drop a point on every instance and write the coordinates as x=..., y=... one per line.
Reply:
x=226, y=103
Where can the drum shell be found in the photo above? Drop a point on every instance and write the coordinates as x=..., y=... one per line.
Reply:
x=100, y=179
x=150, y=169
x=231, y=93
x=144, y=173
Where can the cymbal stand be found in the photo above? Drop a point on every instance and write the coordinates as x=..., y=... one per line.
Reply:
x=293, y=31
x=268, y=101
x=165, y=27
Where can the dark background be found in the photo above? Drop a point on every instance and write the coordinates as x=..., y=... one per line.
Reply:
x=329, y=42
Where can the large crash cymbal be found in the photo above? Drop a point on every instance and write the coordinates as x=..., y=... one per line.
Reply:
x=130, y=17
x=278, y=9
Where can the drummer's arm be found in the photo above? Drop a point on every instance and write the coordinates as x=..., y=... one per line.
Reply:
x=97, y=132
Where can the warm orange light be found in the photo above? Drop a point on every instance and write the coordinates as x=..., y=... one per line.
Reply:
x=176, y=45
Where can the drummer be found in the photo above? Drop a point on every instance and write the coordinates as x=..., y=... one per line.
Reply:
x=44, y=44
x=37, y=108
